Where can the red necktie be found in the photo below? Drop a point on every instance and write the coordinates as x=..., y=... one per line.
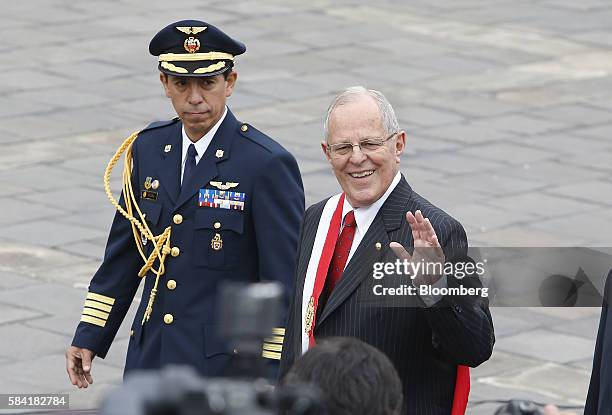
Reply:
x=342, y=250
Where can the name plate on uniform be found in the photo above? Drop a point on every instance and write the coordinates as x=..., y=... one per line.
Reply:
x=221, y=199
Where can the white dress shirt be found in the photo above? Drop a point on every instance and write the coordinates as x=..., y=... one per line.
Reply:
x=364, y=216
x=201, y=145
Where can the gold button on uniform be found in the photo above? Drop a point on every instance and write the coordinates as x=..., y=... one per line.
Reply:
x=176, y=251
x=217, y=225
x=131, y=333
x=171, y=284
x=177, y=219
x=168, y=318
x=244, y=128
x=378, y=246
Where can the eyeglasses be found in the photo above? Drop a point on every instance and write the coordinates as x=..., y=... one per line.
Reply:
x=367, y=146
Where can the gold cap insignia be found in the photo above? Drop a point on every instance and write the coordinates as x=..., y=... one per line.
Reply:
x=167, y=148
x=191, y=30
x=219, y=153
x=216, y=243
x=224, y=186
x=191, y=44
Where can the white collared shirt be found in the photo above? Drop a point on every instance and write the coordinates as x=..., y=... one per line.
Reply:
x=201, y=145
x=364, y=216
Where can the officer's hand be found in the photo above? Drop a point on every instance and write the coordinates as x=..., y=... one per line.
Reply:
x=78, y=366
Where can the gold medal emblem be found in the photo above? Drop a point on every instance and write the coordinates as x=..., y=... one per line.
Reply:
x=309, y=318
x=167, y=148
x=191, y=45
x=219, y=153
x=216, y=243
x=147, y=183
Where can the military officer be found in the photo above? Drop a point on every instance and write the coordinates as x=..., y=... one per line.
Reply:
x=206, y=199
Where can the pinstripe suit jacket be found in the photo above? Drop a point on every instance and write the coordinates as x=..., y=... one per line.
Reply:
x=425, y=344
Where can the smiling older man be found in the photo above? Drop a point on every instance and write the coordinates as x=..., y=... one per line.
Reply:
x=430, y=344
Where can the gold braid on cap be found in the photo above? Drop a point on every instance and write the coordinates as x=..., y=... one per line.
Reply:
x=194, y=57
x=161, y=243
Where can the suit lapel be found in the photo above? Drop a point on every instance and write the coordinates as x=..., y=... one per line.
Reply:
x=207, y=166
x=169, y=170
x=387, y=220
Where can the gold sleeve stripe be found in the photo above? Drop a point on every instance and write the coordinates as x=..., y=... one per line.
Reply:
x=211, y=68
x=102, y=298
x=195, y=57
x=278, y=331
x=271, y=355
x=97, y=305
x=173, y=68
x=95, y=313
x=93, y=320
x=273, y=347
x=274, y=339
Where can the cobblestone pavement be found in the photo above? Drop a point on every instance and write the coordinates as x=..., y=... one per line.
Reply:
x=507, y=105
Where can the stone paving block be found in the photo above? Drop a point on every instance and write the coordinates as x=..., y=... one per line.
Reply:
x=30, y=79
x=446, y=197
x=409, y=75
x=598, y=191
x=573, y=114
x=286, y=89
x=486, y=217
x=273, y=116
x=473, y=105
x=522, y=124
x=547, y=346
x=54, y=234
x=100, y=219
x=586, y=327
x=502, y=152
x=73, y=199
x=10, y=280
x=15, y=344
x=542, y=204
x=596, y=223
x=11, y=313
x=522, y=237
x=453, y=64
x=600, y=161
x=488, y=389
x=602, y=132
x=55, y=98
x=86, y=249
x=573, y=387
x=553, y=172
x=496, y=184
x=567, y=143
x=15, y=211
x=500, y=363
x=470, y=133
x=425, y=116
x=454, y=163
x=47, y=299
x=596, y=37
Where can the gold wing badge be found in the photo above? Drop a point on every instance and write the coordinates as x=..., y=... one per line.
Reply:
x=191, y=30
x=224, y=186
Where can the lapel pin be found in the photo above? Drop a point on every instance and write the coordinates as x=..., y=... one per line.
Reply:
x=167, y=148
x=147, y=183
x=219, y=153
x=216, y=242
x=378, y=246
x=154, y=184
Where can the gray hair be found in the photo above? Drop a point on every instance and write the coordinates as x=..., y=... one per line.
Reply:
x=389, y=120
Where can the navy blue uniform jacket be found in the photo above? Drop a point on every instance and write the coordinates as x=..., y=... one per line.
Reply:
x=258, y=244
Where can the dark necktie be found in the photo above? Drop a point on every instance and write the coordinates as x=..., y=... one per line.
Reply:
x=190, y=163
x=338, y=261
x=341, y=250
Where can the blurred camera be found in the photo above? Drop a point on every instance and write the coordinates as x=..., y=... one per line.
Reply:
x=248, y=313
